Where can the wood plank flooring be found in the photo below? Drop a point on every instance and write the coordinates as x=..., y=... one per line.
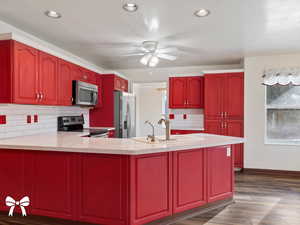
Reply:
x=259, y=200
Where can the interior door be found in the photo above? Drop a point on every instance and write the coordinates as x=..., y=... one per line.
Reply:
x=195, y=92
x=25, y=74
x=48, y=78
x=213, y=92
x=177, y=92
x=234, y=96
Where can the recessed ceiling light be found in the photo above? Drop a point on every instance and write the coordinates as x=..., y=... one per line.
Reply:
x=53, y=14
x=202, y=13
x=130, y=7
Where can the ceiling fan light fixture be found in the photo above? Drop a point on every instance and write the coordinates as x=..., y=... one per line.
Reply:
x=130, y=7
x=53, y=14
x=153, y=61
x=202, y=13
x=145, y=59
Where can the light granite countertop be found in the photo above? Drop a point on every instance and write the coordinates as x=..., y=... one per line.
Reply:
x=73, y=142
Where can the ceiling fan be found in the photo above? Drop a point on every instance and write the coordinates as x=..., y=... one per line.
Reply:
x=151, y=53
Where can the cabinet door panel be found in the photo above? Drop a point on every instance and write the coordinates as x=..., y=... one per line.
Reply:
x=64, y=83
x=151, y=188
x=25, y=74
x=213, y=127
x=234, y=96
x=177, y=92
x=52, y=184
x=189, y=183
x=48, y=78
x=220, y=173
x=102, y=201
x=213, y=92
x=13, y=176
x=195, y=92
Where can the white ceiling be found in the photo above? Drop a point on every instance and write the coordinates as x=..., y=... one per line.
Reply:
x=100, y=31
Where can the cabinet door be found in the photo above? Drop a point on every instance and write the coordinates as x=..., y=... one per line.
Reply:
x=177, y=92
x=213, y=127
x=151, y=187
x=220, y=173
x=25, y=89
x=52, y=184
x=126, y=85
x=236, y=128
x=64, y=83
x=76, y=73
x=118, y=83
x=48, y=78
x=213, y=92
x=102, y=201
x=189, y=182
x=195, y=92
x=234, y=96
x=13, y=176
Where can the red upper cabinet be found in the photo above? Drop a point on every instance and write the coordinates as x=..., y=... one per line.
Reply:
x=48, y=66
x=25, y=74
x=234, y=96
x=177, y=92
x=186, y=92
x=120, y=84
x=224, y=96
x=64, y=83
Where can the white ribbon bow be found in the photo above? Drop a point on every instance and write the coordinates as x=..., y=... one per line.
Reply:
x=10, y=202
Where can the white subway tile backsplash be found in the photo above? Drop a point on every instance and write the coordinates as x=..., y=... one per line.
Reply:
x=194, y=120
x=16, y=118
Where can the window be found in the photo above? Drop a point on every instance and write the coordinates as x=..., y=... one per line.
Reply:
x=283, y=114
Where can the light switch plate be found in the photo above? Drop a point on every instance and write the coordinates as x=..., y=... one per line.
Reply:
x=228, y=152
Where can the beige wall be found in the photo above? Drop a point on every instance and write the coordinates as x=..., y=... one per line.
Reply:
x=257, y=154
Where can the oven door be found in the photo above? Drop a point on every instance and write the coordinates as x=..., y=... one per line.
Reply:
x=85, y=94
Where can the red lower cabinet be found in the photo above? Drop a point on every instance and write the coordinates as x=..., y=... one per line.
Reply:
x=220, y=174
x=52, y=182
x=189, y=182
x=102, y=189
x=116, y=189
x=151, y=187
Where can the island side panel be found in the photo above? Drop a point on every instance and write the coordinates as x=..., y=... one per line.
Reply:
x=189, y=182
x=103, y=189
x=150, y=187
x=220, y=173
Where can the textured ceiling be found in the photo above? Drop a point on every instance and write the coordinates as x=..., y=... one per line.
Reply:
x=101, y=32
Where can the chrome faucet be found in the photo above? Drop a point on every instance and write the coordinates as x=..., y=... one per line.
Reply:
x=151, y=137
x=167, y=124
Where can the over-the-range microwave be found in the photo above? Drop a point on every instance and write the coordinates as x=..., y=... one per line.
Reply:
x=84, y=94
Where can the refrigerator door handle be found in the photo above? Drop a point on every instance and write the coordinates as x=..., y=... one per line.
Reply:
x=125, y=125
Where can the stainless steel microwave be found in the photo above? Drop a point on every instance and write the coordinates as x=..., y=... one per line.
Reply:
x=84, y=94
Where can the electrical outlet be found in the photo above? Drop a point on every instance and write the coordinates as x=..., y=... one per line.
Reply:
x=28, y=119
x=36, y=118
x=2, y=119
x=228, y=152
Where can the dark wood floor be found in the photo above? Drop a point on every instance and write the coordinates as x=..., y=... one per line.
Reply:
x=259, y=200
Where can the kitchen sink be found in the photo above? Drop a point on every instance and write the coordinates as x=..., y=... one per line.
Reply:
x=157, y=140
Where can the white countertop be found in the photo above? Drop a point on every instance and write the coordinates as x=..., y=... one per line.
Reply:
x=73, y=142
x=186, y=128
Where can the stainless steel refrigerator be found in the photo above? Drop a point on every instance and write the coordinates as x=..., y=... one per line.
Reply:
x=124, y=114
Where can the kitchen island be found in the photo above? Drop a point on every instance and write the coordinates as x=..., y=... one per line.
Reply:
x=116, y=181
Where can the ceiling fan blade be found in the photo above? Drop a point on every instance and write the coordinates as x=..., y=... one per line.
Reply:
x=134, y=54
x=145, y=59
x=167, y=50
x=165, y=56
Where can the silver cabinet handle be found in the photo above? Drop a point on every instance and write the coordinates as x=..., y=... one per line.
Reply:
x=225, y=114
x=225, y=125
x=42, y=96
x=37, y=95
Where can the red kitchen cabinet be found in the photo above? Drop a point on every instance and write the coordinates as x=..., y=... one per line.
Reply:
x=102, y=189
x=151, y=187
x=64, y=83
x=220, y=174
x=48, y=68
x=120, y=84
x=186, y=92
x=177, y=92
x=25, y=72
x=179, y=132
x=189, y=179
x=224, y=108
x=52, y=195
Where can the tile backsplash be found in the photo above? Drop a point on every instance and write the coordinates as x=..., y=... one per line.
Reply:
x=43, y=118
x=187, y=118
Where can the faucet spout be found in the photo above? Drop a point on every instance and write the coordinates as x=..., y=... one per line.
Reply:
x=151, y=137
x=167, y=124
